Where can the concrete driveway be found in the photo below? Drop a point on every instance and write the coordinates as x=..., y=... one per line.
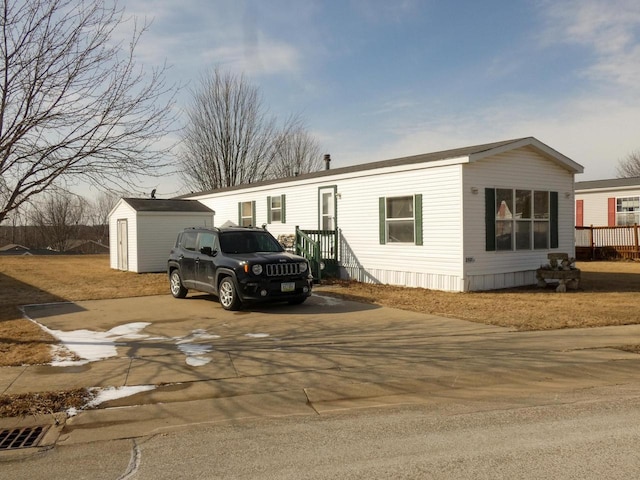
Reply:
x=208, y=365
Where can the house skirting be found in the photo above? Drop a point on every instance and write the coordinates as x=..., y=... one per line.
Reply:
x=431, y=281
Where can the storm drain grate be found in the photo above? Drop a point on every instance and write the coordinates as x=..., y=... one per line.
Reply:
x=21, y=437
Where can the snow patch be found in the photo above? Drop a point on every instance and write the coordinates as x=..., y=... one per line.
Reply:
x=113, y=393
x=198, y=361
x=91, y=346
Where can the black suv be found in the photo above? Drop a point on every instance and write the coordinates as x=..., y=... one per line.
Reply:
x=238, y=265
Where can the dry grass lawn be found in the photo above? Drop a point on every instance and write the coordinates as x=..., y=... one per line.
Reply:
x=609, y=294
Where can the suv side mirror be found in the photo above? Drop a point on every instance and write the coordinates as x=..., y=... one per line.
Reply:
x=208, y=251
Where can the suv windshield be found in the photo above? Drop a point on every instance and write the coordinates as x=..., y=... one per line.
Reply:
x=248, y=242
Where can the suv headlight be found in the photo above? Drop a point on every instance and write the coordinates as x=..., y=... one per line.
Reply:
x=303, y=267
x=256, y=269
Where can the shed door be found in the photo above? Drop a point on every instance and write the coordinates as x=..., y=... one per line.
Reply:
x=123, y=248
x=327, y=208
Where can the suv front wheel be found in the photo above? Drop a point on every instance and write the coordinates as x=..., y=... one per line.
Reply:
x=227, y=294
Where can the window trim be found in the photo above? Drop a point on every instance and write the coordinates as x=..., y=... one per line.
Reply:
x=491, y=220
x=417, y=220
x=282, y=209
x=253, y=213
x=619, y=213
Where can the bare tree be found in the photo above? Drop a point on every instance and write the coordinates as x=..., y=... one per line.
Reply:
x=229, y=138
x=295, y=151
x=74, y=104
x=98, y=214
x=59, y=219
x=629, y=166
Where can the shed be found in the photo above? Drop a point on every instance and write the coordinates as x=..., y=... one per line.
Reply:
x=608, y=202
x=143, y=230
x=437, y=220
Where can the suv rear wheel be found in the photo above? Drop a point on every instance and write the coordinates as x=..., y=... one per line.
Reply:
x=175, y=283
x=227, y=294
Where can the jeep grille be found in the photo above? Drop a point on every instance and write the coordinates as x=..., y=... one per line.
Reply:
x=282, y=269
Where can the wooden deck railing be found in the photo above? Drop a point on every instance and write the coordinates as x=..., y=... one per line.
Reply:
x=619, y=241
x=320, y=247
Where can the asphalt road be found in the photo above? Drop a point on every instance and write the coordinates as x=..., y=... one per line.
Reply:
x=593, y=434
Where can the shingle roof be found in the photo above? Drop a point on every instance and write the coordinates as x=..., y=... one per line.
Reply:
x=166, y=205
x=422, y=158
x=609, y=183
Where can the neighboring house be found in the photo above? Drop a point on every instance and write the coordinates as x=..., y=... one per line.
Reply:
x=86, y=247
x=475, y=218
x=608, y=202
x=142, y=230
x=14, y=249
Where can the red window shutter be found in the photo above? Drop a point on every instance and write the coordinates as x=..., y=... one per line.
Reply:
x=579, y=213
x=612, y=212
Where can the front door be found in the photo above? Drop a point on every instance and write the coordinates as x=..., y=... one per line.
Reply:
x=123, y=246
x=327, y=208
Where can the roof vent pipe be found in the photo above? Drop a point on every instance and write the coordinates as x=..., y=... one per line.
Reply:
x=327, y=161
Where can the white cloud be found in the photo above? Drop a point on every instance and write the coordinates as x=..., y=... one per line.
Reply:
x=265, y=56
x=609, y=29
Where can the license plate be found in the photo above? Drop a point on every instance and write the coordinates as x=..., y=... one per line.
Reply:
x=288, y=287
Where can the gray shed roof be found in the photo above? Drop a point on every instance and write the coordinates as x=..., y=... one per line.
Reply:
x=609, y=183
x=166, y=205
x=475, y=152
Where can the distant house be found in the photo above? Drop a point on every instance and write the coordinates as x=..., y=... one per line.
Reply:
x=143, y=230
x=87, y=247
x=608, y=202
x=14, y=249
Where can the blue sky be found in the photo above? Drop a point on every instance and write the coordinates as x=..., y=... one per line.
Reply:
x=378, y=79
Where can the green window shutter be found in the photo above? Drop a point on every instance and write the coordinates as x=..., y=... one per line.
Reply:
x=553, y=219
x=490, y=219
x=240, y=213
x=284, y=209
x=268, y=209
x=253, y=213
x=417, y=213
x=383, y=237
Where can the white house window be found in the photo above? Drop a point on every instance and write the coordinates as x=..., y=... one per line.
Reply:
x=246, y=214
x=627, y=210
x=541, y=220
x=399, y=219
x=521, y=219
x=276, y=209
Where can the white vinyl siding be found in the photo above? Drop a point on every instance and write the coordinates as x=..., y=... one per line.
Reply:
x=123, y=211
x=518, y=169
x=158, y=233
x=452, y=255
x=151, y=235
x=595, y=203
x=435, y=264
